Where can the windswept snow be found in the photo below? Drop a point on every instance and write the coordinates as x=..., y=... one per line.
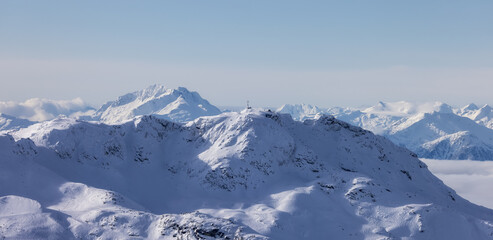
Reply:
x=248, y=175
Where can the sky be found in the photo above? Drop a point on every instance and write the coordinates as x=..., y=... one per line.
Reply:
x=326, y=53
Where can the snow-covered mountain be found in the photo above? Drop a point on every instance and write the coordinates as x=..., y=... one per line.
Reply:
x=378, y=123
x=483, y=115
x=444, y=136
x=248, y=175
x=8, y=122
x=300, y=112
x=384, y=117
x=459, y=145
x=178, y=105
x=433, y=130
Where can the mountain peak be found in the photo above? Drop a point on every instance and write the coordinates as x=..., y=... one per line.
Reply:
x=152, y=91
x=470, y=107
x=300, y=112
x=178, y=104
x=486, y=107
x=182, y=89
x=443, y=107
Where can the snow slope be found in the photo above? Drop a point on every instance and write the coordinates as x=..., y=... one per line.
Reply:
x=8, y=122
x=248, y=175
x=178, y=105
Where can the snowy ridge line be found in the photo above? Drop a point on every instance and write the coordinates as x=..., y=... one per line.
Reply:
x=419, y=127
x=432, y=130
x=251, y=175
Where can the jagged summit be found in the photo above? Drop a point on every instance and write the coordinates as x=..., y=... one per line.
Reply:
x=252, y=175
x=482, y=116
x=470, y=107
x=484, y=111
x=179, y=105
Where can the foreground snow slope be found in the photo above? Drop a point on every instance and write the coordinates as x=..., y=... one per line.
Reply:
x=253, y=174
x=178, y=105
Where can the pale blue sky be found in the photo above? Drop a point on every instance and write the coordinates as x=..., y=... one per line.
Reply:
x=271, y=52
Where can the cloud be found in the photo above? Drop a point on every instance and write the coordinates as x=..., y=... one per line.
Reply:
x=470, y=179
x=36, y=109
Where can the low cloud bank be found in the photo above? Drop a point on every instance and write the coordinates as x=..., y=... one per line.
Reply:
x=36, y=109
x=470, y=179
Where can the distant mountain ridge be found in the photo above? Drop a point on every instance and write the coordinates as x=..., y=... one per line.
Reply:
x=483, y=115
x=301, y=112
x=430, y=136
x=432, y=130
x=8, y=122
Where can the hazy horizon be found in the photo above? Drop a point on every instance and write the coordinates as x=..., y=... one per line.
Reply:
x=78, y=102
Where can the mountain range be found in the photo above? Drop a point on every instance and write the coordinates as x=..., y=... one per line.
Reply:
x=432, y=130
x=239, y=175
x=179, y=105
x=166, y=164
